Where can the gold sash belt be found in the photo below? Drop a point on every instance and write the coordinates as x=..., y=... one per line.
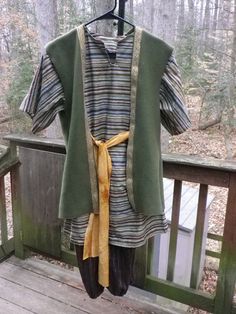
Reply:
x=96, y=242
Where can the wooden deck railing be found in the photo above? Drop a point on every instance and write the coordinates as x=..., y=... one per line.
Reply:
x=8, y=164
x=36, y=188
x=205, y=172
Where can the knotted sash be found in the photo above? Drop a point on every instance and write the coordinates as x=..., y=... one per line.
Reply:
x=96, y=242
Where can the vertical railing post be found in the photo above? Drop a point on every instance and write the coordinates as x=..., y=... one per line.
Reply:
x=16, y=206
x=174, y=229
x=140, y=266
x=198, y=238
x=227, y=269
x=3, y=215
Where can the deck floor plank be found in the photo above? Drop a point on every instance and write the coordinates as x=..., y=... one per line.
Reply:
x=36, y=286
x=11, y=308
x=55, y=290
x=33, y=301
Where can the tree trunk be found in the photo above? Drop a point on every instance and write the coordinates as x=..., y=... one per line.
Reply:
x=48, y=28
x=165, y=25
x=81, y=9
x=131, y=10
x=230, y=108
x=181, y=19
x=191, y=13
x=206, y=25
x=215, y=17
x=201, y=14
x=200, y=26
x=47, y=21
x=149, y=12
x=215, y=21
x=226, y=14
x=104, y=27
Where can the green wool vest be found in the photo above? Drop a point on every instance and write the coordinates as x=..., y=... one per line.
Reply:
x=79, y=191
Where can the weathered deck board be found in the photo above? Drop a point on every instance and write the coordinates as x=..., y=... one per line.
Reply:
x=11, y=308
x=35, y=286
x=32, y=300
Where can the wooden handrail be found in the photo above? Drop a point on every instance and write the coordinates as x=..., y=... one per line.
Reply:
x=7, y=160
x=36, y=142
x=203, y=162
x=57, y=145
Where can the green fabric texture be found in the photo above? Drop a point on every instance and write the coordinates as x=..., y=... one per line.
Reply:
x=76, y=193
x=147, y=163
x=76, y=197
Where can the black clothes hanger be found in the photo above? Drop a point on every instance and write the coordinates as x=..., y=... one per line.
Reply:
x=110, y=15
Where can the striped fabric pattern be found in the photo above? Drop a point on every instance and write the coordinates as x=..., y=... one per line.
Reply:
x=45, y=97
x=107, y=101
x=174, y=115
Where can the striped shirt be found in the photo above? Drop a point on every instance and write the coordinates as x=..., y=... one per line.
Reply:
x=107, y=101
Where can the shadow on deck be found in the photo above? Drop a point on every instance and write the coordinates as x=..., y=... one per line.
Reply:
x=36, y=286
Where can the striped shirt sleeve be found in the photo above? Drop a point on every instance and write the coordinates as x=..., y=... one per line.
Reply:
x=174, y=116
x=45, y=97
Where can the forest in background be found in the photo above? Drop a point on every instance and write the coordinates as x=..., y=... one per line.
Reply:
x=203, y=33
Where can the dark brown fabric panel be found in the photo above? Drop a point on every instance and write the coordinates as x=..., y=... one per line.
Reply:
x=120, y=266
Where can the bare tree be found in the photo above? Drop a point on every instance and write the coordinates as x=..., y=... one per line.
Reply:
x=80, y=6
x=214, y=23
x=206, y=24
x=165, y=20
x=47, y=21
x=181, y=18
x=131, y=10
x=191, y=14
x=215, y=17
x=225, y=12
x=149, y=12
x=230, y=108
x=104, y=27
x=48, y=28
